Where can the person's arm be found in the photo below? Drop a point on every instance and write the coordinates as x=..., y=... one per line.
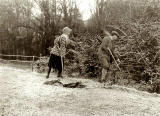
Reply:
x=115, y=56
x=62, y=46
x=108, y=45
x=105, y=44
x=71, y=42
x=52, y=48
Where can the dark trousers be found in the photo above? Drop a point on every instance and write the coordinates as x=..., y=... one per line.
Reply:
x=55, y=63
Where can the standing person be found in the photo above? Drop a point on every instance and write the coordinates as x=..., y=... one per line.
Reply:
x=58, y=52
x=104, y=54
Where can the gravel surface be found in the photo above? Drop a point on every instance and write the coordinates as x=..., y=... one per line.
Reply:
x=22, y=93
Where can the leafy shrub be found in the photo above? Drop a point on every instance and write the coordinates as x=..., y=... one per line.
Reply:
x=41, y=65
x=139, y=54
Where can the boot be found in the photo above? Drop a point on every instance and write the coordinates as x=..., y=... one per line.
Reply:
x=49, y=70
x=47, y=76
x=109, y=78
x=60, y=74
x=103, y=76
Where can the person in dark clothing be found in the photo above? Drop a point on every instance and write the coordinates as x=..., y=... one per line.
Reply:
x=104, y=55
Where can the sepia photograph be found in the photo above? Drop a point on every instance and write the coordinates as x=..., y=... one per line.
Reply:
x=79, y=57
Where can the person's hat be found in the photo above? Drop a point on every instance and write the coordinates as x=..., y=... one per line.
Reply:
x=115, y=33
x=106, y=32
x=66, y=30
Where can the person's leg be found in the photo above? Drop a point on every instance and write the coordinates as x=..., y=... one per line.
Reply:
x=48, y=73
x=50, y=65
x=103, y=75
x=59, y=73
x=109, y=77
x=60, y=66
x=114, y=72
x=105, y=68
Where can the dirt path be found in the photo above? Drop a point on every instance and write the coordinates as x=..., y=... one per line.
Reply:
x=22, y=93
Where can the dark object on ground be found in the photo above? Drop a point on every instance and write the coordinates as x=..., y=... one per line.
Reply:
x=74, y=85
x=53, y=82
x=68, y=85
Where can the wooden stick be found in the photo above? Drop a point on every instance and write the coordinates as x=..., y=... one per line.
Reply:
x=62, y=63
x=32, y=63
x=114, y=59
x=19, y=56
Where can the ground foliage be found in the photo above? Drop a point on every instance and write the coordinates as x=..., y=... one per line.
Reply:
x=41, y=65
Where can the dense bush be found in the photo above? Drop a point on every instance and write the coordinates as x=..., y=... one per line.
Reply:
x=138, y=51
x=41, y=65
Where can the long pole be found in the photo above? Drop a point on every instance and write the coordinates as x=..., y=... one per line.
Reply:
x=32, y=63
x=114, y=59
x=61, y=60
x=62, y=64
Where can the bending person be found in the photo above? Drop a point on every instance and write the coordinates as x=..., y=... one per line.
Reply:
x=104, y=55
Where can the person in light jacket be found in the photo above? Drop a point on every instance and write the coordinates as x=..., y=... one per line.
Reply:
x=58, y=52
